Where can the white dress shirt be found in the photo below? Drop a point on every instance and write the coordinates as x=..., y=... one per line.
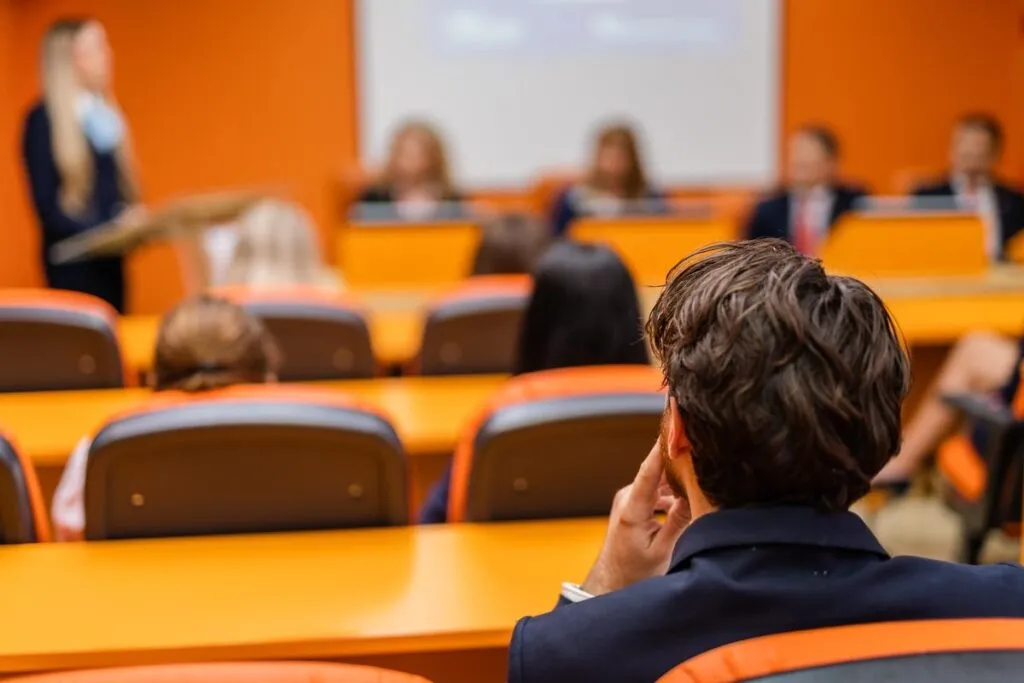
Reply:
x=816, y=205
x=983, y=201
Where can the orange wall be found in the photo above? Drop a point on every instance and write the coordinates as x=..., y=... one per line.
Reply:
x=241, y=92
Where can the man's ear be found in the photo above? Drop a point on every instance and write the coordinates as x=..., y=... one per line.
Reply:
x=678, y=444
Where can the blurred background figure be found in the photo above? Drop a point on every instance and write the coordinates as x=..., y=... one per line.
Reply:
x=416, y=181
x=975, y=149
x=804, y=211
x=204, y=343
x=78, y=156
x=277, y=246
x=981, y=363
x=583, y=311
x=615, y=184
x=510, y=244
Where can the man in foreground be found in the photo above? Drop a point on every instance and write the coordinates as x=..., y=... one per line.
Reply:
x=785, y=387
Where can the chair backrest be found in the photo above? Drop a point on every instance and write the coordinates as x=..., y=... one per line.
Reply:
x=22, y=513
x=244, y=459
x=322, y=335
x=52, y=340
x=557, y=443
x=940, y=651
x=234, y=672
x=475, y=328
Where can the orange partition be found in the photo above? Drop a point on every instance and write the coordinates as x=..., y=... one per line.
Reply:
x=651, y=246
x=406, y=254
x=907, y=245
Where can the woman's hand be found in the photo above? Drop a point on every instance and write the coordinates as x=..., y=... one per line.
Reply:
x=133, y=215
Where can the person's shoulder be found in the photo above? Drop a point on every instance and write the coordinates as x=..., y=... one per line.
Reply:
x=1008, y=190
x=37, y=117
x=934, y=188
x=375, y=194
x=984, y=590
x=547, y=647
x=851, y=191
x=773, y=199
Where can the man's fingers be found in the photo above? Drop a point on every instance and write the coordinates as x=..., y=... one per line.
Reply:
x=664, y=503
x=676, y=521
x=648, y=479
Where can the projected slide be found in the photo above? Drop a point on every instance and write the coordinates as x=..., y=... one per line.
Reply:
x=518, y=86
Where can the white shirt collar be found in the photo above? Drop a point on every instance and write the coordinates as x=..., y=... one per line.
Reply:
x=958, y=181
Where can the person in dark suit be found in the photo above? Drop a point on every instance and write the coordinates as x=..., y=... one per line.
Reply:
x=785, y=386
x=977, y=144
x=804, y=212
x=78, y=157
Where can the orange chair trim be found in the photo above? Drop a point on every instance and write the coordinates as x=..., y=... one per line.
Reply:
x=77, y=301
x=775, y=654
x=234, y=672
x=482, y=286
x=961, y=465
x=538, y=386
x=255, y=393
x=35, y=495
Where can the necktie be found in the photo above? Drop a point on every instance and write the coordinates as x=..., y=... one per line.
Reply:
x=803, y=232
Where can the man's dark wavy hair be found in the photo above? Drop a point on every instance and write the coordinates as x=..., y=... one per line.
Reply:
x=789, y=381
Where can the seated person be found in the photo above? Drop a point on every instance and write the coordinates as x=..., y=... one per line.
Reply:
x=804, y=212
x=204, y=343
x=583, y=311
x=277, y=246
x=980, y=363
x=415, y=184
x=510, y=244
x=615, y=185
x=785, y=388
x=977, y=143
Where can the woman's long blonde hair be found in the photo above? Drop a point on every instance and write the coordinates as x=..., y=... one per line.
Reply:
x=70, y=148
x=278, y=246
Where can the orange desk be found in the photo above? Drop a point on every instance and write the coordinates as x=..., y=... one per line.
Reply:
x=429, y=414
x=440, y=601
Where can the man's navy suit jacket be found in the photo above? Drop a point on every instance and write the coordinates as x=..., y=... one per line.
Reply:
x=744, y=573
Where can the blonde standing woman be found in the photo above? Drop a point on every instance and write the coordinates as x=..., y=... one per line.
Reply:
x=78, y=155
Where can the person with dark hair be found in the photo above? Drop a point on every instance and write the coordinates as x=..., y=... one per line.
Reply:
x=204, y=343
x=583, y=311
x=615, y=185
x=804, y=212
x=785, y=387
x=971, y=181
x=510, y=244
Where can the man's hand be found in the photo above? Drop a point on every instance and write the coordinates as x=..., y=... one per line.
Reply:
x=637, y=545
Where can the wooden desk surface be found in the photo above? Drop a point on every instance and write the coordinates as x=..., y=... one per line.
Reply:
x=429, y=413
x=929, y=311
x=310, y=595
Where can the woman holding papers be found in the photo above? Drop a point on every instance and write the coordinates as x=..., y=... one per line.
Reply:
x=78, y=155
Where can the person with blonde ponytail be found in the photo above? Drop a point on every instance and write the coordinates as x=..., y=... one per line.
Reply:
x=205, y=343
x=77, y=153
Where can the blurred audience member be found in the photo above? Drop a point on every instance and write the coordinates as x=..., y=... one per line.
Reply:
x=583, y=311
x=278, y=246
x=510, y=244
x=416, y=182
x=980, y=363
x=615, y=185
x=804, y=212
x=204, y=343
x=977, y=144
x=78, y=154
x=785, y=389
